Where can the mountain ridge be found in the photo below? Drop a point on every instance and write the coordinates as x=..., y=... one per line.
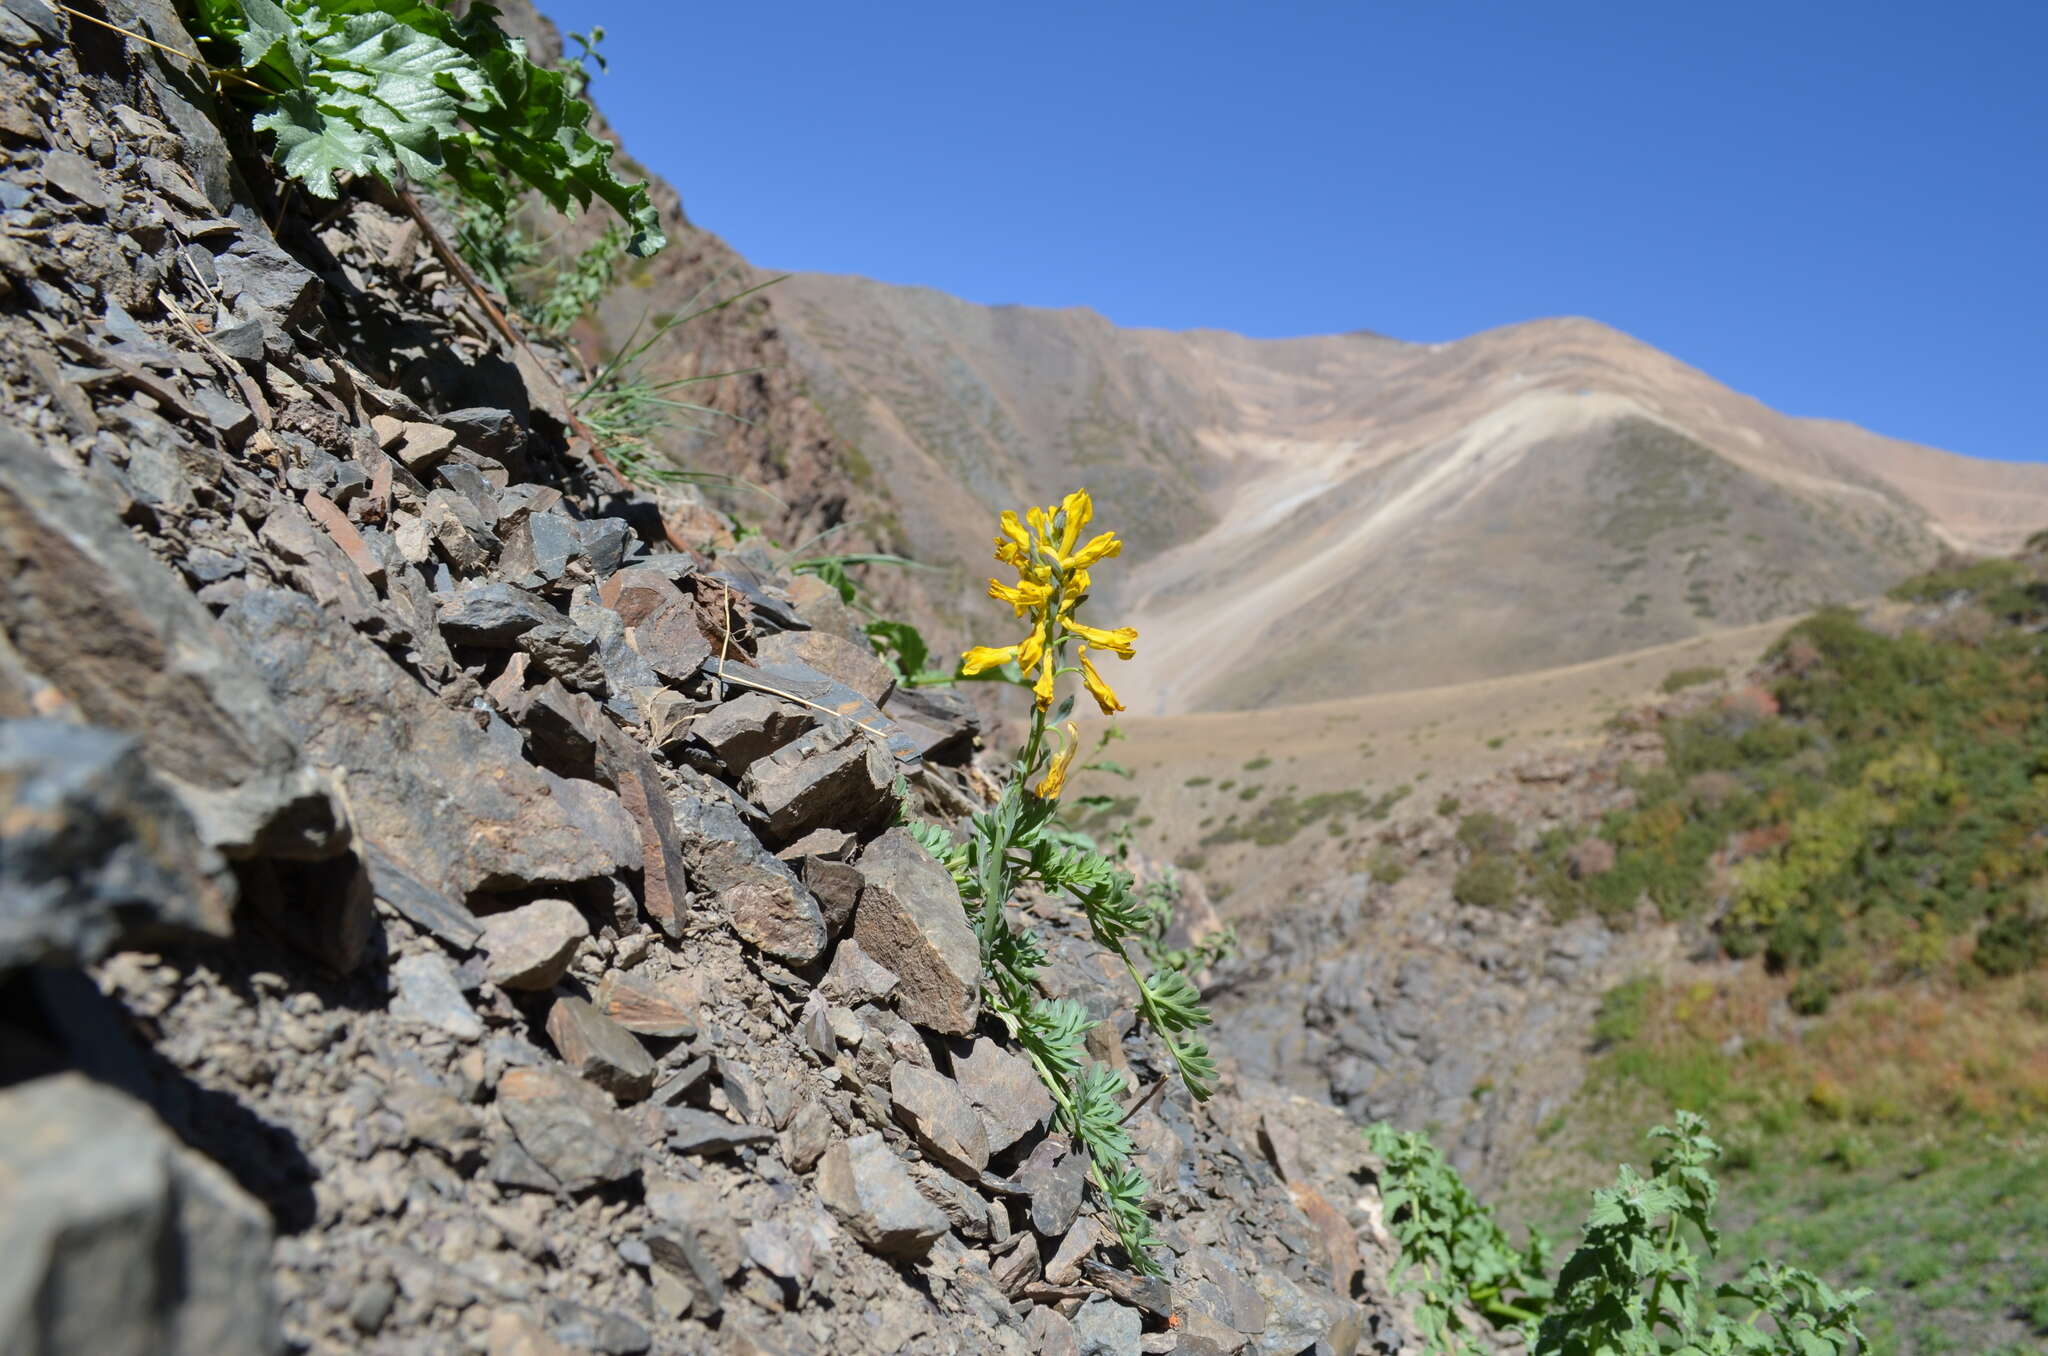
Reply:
x=1229, y=455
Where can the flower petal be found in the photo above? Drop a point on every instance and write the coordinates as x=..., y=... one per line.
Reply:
x=1041, y=526
x=1020, y=596
x=1100, y=547
x=1042, y=689
x=1078, y=509
x=1032, y=649
x=1055, y=780
x=1117, y=642
x=1104, y=696
x=982, y=658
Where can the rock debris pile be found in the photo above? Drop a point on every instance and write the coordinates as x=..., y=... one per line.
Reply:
x=439, y=914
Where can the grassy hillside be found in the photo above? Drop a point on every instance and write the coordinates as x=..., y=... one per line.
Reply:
x=1860, y=842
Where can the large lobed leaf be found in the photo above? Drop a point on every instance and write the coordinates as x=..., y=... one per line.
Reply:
x=378, y=86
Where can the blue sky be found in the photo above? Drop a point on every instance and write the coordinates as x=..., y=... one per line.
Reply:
x=1838, y=208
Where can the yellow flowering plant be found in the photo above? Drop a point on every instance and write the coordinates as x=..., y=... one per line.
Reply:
x=1017, y=843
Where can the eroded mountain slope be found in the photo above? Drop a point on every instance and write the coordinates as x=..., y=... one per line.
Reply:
x=1326, y=516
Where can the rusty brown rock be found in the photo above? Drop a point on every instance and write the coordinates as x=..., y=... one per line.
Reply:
x=663, y=1006
x=568, y=1127
x=600, y=1050
x=630, y=769
x=345, y=535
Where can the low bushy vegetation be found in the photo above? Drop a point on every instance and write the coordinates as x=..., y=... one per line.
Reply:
x=1680, y=679
x=1875, y=812
x=1636, y=1285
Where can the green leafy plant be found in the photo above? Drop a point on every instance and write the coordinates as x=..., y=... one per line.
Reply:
x=1634, y=1286
x=1161, y=895
x=1455, y=1257
x=1016, y=844
x=1488, y=881
x=575, y=288
x=382, y=87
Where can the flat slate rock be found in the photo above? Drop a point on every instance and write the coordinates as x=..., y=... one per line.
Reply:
x=423, y=781
x=568, y=1127
x=91, y=611
x=868, y=1188
x=706, y=1132
x=600, y=1050
x=821, y=693
x=911, y=921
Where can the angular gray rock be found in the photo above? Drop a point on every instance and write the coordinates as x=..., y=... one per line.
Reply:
x=838, y=658
x=599, y=1050
x=866, y=1186
x=803, y=786
x=1005, y=1089
x=706, y=1132
x=428, y=992
x=90, y=611
x=425, y=784
x=530, y=947
x=493, y=615
x=568, y=1127
x=761, y=897
x=750, y=726
x=938, y=1113
x=911, y=920
x=1052, y=1179
x=855, y=977
x=95, y=852
x=1107, y=1328
x=118, y=1239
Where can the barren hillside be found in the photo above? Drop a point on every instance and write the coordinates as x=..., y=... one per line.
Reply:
x=1357, y=514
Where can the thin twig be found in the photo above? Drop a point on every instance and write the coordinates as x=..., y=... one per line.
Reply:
x=193, y=57
x=725, y=648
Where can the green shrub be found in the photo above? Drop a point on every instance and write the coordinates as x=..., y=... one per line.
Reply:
x=1447, y=805
x=1262, y=761
x=2010, y=943
x=1634, y=1285
x=1487, y=882
x=1622, y=1011
x=1486, y=832
x=1680, y=679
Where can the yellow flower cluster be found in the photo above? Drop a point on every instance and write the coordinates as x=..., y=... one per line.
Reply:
x=1052, y=565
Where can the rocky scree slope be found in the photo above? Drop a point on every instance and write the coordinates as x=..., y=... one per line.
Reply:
x=438, y=915
x=1379, y=992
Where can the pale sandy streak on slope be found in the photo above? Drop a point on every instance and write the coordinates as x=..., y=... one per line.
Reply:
x=1189, y=643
